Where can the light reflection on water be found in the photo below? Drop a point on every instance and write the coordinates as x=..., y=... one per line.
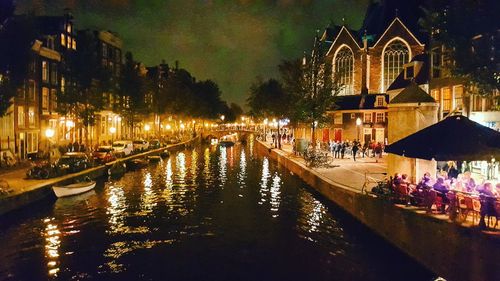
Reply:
x=52, y=244
x=222, y=165
x=166, y=221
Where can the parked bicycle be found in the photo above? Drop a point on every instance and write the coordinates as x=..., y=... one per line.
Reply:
x=317, y=158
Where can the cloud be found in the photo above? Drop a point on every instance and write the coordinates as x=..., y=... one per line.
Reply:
x=230, y=42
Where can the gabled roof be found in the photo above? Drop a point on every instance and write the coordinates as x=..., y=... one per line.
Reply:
x=421, y=78
x=412, y=94
x=351, y=34
x=352, y=102
x=381, y=14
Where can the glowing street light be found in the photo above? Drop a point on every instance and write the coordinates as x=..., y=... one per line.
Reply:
x=358, y=125
x=183, y=126
x=49, y=133
x=147, y=127
x=168, y=127
x=112, y=130
x=222, y=117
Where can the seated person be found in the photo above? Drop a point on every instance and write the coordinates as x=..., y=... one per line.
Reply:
x=425, y=182
x=469, y=182
x=488, y=200
x=441, y=188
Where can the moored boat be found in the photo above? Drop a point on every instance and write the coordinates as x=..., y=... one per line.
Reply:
x=226, y=143
x=154, y=158
x=73, y=189
x=136, y=164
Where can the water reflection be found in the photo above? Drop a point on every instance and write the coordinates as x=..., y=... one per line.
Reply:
x=243, y=169
x=264, y=180
x=116, y=207
x=52, y=244
x=194, y=165
x=180, y=163
x=148, y=197
x=207, y=174
x=222, y=166
x=275, y=195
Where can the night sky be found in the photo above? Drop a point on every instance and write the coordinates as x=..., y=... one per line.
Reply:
x=231, y=42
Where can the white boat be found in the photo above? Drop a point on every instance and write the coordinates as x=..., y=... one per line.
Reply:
x=73, y=189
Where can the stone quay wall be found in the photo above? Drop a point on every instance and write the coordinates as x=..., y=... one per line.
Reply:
x=450, y=250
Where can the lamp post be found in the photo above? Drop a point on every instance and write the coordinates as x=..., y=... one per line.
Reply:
x=358, y=124
x=49, y=133
x=147, y=128
x=112, y=131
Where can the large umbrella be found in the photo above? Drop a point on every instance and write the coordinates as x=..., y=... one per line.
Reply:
x=454, y=138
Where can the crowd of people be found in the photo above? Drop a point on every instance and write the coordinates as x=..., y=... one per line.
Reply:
x=355, y=148
x=444, y=189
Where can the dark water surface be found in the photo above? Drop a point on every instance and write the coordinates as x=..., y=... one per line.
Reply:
x=204, y=214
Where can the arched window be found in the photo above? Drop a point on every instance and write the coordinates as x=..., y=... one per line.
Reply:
x=396, y=54
x=344, y=65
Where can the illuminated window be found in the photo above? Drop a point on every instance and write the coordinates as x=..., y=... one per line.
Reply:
x=459, y=92
x=63, y=84
x=45, y=71
x=367, y=117
x=31, y=116
x=396, y=54
x=68, y=28
x=380, y=117
x=344, y=65
x=20, y=116
x=436, y=59
x=380, y=101
x=69, y=42
x=74, y=44
x=63, y=39
x=45, y=98
x=435, y=94
x=446, y=99
x=31, y=142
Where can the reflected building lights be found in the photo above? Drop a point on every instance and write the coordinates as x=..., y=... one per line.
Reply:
x=148, y=198
x=194, y=166
x=52, y=245
x=275, y=195
x=180, y=163
x=243, y=169
x=116, y=208
x=264, y=180
x=222, y=165
x=206, y=169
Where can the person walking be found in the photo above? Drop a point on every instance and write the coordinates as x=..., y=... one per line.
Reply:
x=355, y=148
x=343, y=147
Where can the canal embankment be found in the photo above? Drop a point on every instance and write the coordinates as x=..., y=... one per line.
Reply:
x=451, y=250
x=28, y=191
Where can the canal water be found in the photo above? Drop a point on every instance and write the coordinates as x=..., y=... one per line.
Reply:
x=206, y=213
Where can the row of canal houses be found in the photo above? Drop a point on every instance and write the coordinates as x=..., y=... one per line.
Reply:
x=23, y=130
x=375, y=63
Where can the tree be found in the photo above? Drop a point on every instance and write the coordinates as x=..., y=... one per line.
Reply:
x=468, y=29
x=311, y=88
x=269, y=99
x=132, y=91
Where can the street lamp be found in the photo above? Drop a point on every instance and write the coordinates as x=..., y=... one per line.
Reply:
x=265, y=124
x=112, y=130
x=358, y=124
x=222, y=117
x=147, y=128
x=49, y=133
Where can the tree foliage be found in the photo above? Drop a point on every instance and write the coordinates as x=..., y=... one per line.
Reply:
x=469, y=30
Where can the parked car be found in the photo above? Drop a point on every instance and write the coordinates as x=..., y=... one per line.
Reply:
x=72, y=162
x=123, y=148
x=104, y=154
x=154, y=144
x=141, y=145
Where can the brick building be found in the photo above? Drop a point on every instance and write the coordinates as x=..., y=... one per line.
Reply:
x=367, y=62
